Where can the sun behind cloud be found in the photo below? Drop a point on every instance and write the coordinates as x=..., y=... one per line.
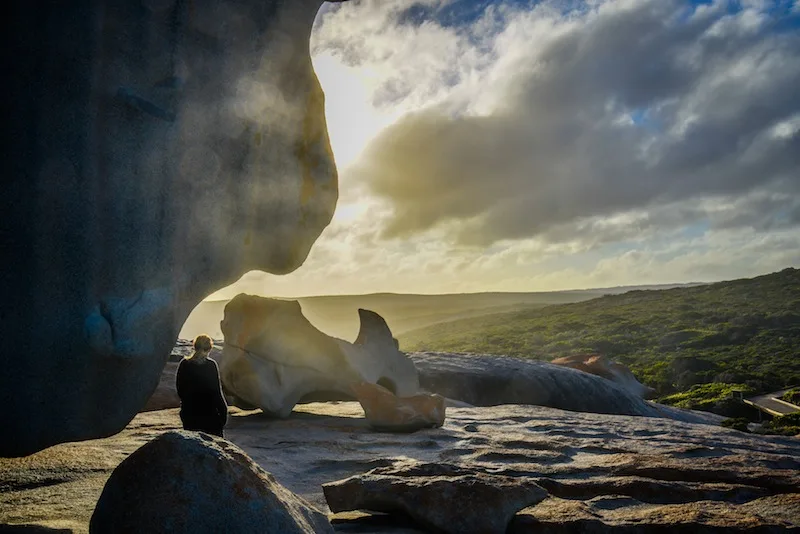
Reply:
x=528, y=146
x=352, y=120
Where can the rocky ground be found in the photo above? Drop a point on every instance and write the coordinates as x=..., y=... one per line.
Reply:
x=602, y=472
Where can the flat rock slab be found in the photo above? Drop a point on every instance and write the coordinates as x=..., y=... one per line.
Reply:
x=636, y=468
x=623, y=514
x=442, y=497
x=58, y=487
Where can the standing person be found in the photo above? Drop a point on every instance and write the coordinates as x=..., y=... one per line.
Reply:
x=203, y=407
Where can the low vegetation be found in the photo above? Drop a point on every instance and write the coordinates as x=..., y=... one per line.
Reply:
x=785, y=425
x=742, y=424
x=792, y=396
x=742, y=334
x=715, y=397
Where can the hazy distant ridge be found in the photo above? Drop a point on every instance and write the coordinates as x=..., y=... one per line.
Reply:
x=337, y=314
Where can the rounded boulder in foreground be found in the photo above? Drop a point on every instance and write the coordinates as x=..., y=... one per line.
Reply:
x=193, y=482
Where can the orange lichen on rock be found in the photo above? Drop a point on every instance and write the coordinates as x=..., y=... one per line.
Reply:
x=601, y=366
x=386, y=411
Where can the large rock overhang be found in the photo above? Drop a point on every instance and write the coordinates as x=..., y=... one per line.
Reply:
x=158, y=151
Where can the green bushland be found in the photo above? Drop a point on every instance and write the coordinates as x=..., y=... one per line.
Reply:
x=785, y=425
x=715, y=397
x=793, y=396
x=737, y=423
x=739, y=334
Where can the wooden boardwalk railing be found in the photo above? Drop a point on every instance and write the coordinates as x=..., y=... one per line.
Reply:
x=771, y=404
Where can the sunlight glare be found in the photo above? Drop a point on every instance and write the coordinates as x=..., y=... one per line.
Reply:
x=352, y=120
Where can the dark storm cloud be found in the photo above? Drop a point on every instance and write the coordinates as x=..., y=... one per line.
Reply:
x=633, y=105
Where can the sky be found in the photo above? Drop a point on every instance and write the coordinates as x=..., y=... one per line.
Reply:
x=546, y=145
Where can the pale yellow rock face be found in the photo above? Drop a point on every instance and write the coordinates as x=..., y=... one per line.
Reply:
x=273, y=356
x=386, y=411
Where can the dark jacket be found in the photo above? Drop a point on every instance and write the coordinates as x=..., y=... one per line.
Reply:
x=202, y=403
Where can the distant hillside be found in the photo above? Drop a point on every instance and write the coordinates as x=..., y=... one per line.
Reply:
x=204, y=319
x=338, y=316
x=733, y=332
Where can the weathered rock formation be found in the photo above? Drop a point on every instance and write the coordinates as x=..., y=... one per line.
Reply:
x=166, y=395
x=489, y=380
x=387, y=412
x=610, y=370
x=194, y=482
x=443, y=497
x=157, y=152
x=273, y=357
x=604, y=473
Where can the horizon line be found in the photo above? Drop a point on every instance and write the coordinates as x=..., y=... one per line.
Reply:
x=553, y=291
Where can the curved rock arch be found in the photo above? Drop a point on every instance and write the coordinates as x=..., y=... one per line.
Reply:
x=160, y=150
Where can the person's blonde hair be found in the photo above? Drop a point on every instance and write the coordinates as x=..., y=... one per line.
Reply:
x=202, y=346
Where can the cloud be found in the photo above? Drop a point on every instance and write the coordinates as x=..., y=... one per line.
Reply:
x=543, y=121
x=528, y=146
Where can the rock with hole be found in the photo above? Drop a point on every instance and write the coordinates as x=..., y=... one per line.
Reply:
x=273, y=357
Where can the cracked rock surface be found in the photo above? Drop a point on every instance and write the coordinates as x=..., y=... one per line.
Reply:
x=443, y=497
x=607, y=473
